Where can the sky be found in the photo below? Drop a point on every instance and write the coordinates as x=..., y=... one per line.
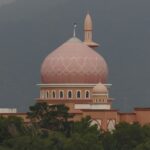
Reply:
x=6, y=2
x=31, y=29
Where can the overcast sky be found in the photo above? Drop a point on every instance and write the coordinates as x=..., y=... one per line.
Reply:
x=30, y=29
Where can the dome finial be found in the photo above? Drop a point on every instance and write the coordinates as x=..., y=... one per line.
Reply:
x=74, y=29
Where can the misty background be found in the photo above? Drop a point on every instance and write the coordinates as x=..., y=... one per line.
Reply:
x=30, y=29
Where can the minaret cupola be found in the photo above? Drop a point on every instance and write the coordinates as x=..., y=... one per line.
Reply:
x=88, y=30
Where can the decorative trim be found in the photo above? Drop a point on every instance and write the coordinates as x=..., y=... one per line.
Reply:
x=71, y=85
x=73, y=101
x=100, y=94
x=92, y=106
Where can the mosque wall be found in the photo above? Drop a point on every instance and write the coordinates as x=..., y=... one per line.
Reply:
x=106, y=117
x=127, y=117
x=47, y=93
x=142, y=115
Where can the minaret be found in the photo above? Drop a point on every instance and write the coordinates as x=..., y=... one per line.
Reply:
x=88, y=29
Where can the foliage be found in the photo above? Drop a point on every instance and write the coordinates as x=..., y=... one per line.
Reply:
x=108, y=141
x=144, y=146
x=10, y=127
x=55, y=141
x=84, y=126
x=51, y=117
x=51, y=128
x=128, y=136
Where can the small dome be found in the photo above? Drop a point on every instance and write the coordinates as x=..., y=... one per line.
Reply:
x=74, y=62
x=100, y=89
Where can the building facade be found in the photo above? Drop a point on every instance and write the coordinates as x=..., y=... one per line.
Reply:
x=75, y=74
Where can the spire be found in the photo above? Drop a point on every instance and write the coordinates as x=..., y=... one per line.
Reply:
x=88, y=29
x=88, y=23
x=74, y=29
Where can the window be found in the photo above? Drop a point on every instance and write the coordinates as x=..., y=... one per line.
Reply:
x=87, y=94
x=69, y=94
x=47, y=94
x=61, y=94
x=78, y=94
x=53, y=94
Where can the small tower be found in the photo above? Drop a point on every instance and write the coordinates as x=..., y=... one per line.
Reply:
x=100, y=94
x=88, y=29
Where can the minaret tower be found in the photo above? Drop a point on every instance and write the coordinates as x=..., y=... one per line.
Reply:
x=88, y=29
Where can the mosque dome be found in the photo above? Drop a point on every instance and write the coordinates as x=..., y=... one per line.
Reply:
x=100, y=89
x=74, y=62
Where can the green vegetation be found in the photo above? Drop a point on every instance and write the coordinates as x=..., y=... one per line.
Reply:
x=52, y=128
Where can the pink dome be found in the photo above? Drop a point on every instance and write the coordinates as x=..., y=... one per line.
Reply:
x=74, y=62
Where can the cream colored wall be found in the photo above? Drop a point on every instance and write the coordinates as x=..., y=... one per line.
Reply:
x=100, y=98
x=93, y=106
x=43, y=91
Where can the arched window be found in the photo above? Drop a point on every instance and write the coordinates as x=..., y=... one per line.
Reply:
x=47, y=94
x=78, y=94
x=53, y=94
x=61, y=94
x=87, y=94
x=69, y=94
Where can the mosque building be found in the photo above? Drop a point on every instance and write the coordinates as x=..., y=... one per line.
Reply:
x=75, y=74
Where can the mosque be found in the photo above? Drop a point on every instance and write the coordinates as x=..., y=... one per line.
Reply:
x=75, y=74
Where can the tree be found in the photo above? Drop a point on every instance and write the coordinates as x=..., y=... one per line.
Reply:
x=84, y=125
x=53, y=129
x=87, y=141
x=128, y=136
x=10, y=127
x=4, y=148
x=51, y=117
x=108, y=141
x=144, y=146
x=84, y=136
